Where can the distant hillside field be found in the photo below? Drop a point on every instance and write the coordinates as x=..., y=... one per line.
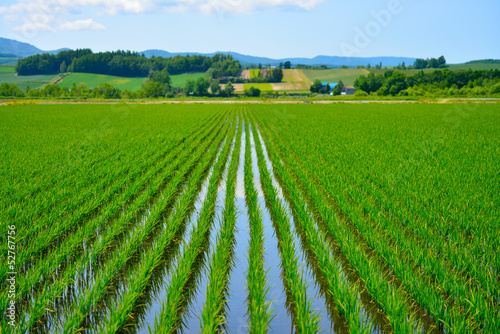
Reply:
x=347, y=75
x=262, y=86
x=93, y=80
x=407, y=72
x=8, y=75
x=10, y=69
x=476, y=66
x=452, y=67
x=179, y=80
x=9, y=61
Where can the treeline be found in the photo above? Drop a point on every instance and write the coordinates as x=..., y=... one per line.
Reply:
x=124, y=63
x=484, y=61
x=157, y=86
x=436, y=83
x=429, y=63
x=310, y=67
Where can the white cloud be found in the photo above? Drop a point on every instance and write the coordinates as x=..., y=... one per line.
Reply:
x=112, y=7
x=88, y=24
x=28, y=27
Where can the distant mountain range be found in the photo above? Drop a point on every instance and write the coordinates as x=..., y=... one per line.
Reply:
x=20, y=49
x=13, y=47
x=332, y=61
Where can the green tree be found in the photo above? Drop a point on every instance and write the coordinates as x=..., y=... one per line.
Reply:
x=441, y=61
x=397, y=82
x=201, y=86
x=160, y=76
x=287, y=64
x=152, y=89
x=316, y=86
x=339, y=86
x=253, y=92
x=215, y=86
x=228, y=89
x=210, y=74
x=63, y=67
x=189, y=87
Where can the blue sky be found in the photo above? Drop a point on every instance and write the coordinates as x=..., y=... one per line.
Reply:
x=459, y=30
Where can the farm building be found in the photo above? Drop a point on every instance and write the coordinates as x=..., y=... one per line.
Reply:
x=332, y=85
x=348, y=90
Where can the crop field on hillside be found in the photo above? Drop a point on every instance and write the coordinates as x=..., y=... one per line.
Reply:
x=262, y=86
x=345, y=218
x=7, y=69
x=94, y=80
x=179, y=80
x=347, y=75
x=8, y=75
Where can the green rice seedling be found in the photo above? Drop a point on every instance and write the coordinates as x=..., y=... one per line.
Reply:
x=38, y=308
x=88, y=299
x=181, y=283
x=388, y=296
x=153, y=258
x=346, y=296
x=306, y=321
x=212, y=316
x=37, y=248
x=259, y=310
x=73, y=243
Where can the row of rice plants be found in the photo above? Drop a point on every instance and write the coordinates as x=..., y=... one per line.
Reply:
x=57, y=257
x=427, y=261
x=305, y=319
x=28, y=249
x=117, y=202
x=183, y=280
x=391, y=299
x=462, y=230
x=454, y=251
x=259, y=312
x=88, y=300
x=107, y=239
x=345, y=295
x=472, y=303
x=221, y=262
x=151, y=260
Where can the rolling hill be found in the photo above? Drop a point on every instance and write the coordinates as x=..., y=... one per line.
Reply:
x=20, y=49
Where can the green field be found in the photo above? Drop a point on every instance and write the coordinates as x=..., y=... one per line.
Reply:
x=475, y=66
x=262, y=86
x=347, y=75
x=6, y=61
x=7, y=69
x=8, y=75
x=345, y=218
x=179, y=80
x=478, y=66
x=254, y=73
x=93, y=80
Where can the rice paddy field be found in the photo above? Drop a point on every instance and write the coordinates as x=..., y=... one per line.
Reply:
x=344, y=218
